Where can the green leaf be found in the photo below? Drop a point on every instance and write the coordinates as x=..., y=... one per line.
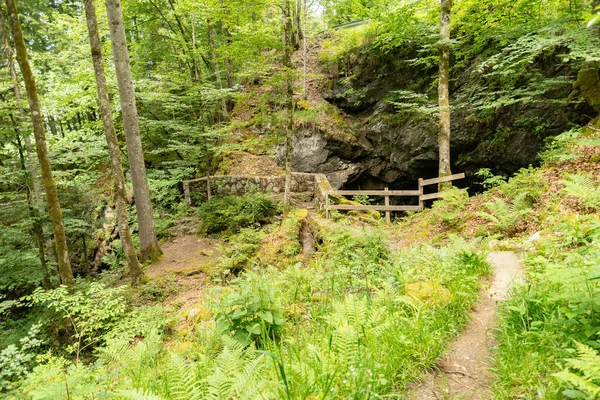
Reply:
x=254, y=329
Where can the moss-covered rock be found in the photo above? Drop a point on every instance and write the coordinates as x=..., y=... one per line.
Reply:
x=588, y=83
x=430, y=293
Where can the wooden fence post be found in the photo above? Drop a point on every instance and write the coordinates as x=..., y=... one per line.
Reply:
x=421, y=193
x=388, y=217
x=208, y=191
x=327, y=213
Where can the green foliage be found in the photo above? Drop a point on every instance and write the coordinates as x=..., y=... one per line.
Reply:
x=16, y=362
x=449, y=208
x=559, y=147
x=583, y=374
x=238, y=253
x=530, y=182
x=585, y=188
x=345, y=46
x=250, y=313
x=20, y=266
x=362, y=199
x=489, y=179
x=86, y=313
x=353, y=258
x=231, y=213
x=158, y=289
x=503, y=216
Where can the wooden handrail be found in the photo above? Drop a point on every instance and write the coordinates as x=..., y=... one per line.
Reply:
x=386, y=194
x=442, y=179
x=375, y=192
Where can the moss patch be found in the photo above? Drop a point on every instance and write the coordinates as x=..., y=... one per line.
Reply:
x=430, y=293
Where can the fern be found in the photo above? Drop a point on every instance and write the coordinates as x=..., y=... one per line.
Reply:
x=584, y=187
x=134, y=361
x=504, y=216
x=183, y=382
x=138, y=394
x=235, y=373
x=587, y=365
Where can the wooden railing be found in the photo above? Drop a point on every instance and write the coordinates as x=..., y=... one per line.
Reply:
x=386, y=194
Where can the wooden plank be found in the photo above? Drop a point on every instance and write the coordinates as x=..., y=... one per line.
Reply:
x=442, y=179
x=388, y=216
x=375, y=192
x=348, y=207
x=432, y=196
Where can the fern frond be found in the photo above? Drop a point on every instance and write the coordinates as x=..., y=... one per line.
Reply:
x=584, y=187
x=588, y=364
x=138, y=394
x=182, y=381
x=218, y=386
x=580, y=383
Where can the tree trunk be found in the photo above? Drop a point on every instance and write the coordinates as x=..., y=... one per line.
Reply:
x=229, y=71
x=149, y=249
x=217, y=71
x=195, y=49
x=443, y=92
x=287, y=63
x=299, y=28
x=60, y=238
x=38, y=232
x=135, y=269
x=52, y=126
x=304, y=49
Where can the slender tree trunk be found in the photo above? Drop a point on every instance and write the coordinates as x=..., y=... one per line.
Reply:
x=38, y=232
x=149, y=249
x=217, y=70
x=135, y=269
x=194, y=66
x=299, y=28
x=60, y=238
x=287, y=63
x=195, y=49
x=443, y=92
x=304, y=49
x=229, y=71
x=31, y=164
x=52, y=125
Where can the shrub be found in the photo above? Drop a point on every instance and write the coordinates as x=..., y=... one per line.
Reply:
x=15, y=362
x=239, y=251
x=250, y=313
x=86, y=313
x=231, y=213
x=489, y=179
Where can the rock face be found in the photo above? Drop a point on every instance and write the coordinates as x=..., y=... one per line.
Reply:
x=390, y=148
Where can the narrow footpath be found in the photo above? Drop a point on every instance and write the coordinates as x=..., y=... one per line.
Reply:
x=464, y=372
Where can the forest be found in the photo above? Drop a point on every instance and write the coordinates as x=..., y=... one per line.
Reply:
x=299, y=199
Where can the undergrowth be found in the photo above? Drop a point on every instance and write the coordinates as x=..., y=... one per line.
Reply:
x=231, y=213
x=343, y=326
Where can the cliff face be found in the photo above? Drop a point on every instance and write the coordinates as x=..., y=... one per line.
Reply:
x=386, y=146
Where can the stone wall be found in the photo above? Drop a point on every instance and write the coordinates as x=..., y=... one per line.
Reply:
x=311, y=186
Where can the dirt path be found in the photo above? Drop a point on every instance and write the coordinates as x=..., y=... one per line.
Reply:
x=464, y=374
x=185, y=259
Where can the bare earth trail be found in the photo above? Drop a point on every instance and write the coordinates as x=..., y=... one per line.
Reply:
x=463, y=373
x=185, y=259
